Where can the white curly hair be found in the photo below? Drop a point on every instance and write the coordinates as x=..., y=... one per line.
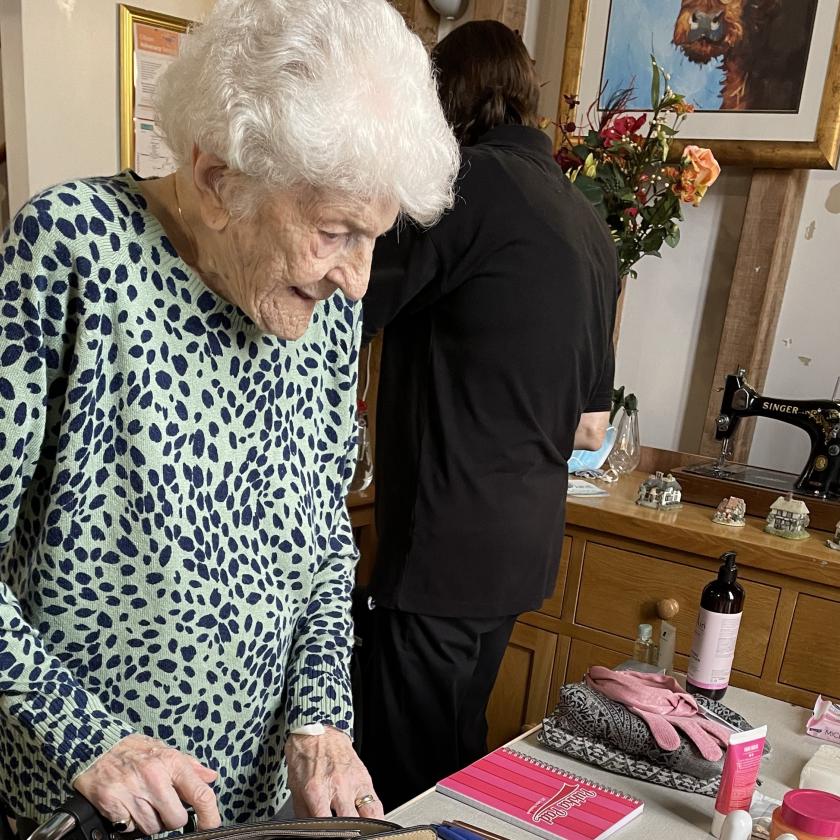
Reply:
x=336, y=94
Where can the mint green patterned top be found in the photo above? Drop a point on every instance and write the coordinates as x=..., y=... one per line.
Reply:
x=176, y=556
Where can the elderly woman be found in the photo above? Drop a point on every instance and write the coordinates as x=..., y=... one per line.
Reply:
x=177, y=403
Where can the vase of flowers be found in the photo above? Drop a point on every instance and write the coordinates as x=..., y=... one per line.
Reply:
x=620, y=161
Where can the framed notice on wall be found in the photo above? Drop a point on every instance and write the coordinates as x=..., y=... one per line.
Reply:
x=149, y=43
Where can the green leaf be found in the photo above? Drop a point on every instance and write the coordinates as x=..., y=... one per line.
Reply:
x=611, y=177
x=591, y=189
x=663, y=211
x=654, y=87
x=653, y=240
x=673, y=238
x=617, y=402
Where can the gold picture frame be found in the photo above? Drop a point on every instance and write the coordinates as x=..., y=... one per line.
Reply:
x=129, y=17
x=820, y=152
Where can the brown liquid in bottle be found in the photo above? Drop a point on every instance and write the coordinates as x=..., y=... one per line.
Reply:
x=723, y=596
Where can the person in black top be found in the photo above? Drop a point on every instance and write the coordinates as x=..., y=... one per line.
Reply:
x=497, y=361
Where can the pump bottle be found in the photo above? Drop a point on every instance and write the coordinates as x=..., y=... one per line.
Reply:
x=716, y=632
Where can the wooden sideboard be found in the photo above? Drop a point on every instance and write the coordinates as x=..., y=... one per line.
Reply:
x=620, y=559
x=361, y=509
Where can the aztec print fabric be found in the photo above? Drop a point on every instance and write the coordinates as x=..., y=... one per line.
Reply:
x=590, y=727
x=176, y=557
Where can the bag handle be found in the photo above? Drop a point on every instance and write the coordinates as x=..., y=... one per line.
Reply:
x=78, y=819
x=78, y=816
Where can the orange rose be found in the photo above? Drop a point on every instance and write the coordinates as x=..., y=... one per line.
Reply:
x=702, y=170
x=682, y=107
x=686, y=191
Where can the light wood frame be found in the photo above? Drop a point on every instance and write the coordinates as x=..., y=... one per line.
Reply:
x=129, y=15
x=820, y=153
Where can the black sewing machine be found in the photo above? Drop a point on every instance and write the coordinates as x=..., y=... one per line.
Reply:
x=819, y=418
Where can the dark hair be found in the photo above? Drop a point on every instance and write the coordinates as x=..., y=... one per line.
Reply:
x=485, y=78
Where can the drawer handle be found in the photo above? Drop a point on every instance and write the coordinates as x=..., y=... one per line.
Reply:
x=667, y=608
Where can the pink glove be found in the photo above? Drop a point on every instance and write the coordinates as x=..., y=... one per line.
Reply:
x=660, y=702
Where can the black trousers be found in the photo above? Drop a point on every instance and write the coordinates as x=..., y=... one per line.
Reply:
x=426, y=683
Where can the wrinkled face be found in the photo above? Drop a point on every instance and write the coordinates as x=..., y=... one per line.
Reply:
x=707, y=29
x=297, y=250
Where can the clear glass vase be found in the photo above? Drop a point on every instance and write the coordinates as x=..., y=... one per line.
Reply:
x=626, y=453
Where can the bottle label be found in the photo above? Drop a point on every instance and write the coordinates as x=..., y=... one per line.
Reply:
x=713, y=649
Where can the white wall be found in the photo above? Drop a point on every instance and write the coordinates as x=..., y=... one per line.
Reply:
x=673, y=317
x=60, y=72
x=806, y=354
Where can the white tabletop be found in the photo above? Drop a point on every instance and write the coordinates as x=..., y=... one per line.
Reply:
x=668, y=813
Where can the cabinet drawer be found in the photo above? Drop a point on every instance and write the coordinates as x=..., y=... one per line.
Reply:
x=812, y=655
x=582, y=656
x=554, y=604
x=521, y=693
x=620, y=588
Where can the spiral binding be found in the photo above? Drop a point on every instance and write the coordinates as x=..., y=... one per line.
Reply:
x=544, y=765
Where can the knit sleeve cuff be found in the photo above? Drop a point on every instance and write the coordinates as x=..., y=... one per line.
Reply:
x=64, y=742
x=72, y=731
x=319, y=694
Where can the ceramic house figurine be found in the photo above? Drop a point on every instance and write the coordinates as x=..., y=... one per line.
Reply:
x=659, y=491
x=788, y=518
x=731, y=511
x=835, y=543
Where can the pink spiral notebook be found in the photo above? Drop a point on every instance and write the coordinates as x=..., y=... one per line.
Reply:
x=540, y=797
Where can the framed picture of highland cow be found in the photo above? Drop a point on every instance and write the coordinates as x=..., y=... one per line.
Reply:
x=763, y=76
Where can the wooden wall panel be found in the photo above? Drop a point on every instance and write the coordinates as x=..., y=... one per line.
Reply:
x=509, y=12
x=758, y=287
x=421, y=18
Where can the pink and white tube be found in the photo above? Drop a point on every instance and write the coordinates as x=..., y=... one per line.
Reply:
x=740, y=773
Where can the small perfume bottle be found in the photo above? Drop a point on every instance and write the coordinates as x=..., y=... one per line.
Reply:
x=644, y=649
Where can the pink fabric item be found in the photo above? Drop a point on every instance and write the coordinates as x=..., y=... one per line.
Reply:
x=662, y=704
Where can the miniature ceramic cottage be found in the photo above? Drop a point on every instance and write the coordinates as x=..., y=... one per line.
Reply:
x=731, y=511
x=660, y=491
x=835, y=543
x=788, y=518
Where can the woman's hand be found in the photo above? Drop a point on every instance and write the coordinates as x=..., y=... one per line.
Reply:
x=142, y=783
x=326, y=775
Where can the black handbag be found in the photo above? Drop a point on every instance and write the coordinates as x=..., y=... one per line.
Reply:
x=77, y=819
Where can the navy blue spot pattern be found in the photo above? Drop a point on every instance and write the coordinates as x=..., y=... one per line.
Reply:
x=176, y=557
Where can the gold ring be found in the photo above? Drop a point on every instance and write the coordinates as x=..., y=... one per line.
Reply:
x=364, y=800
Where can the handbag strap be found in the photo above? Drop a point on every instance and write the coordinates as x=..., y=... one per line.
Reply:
x=335, y=828
x=77, y=819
